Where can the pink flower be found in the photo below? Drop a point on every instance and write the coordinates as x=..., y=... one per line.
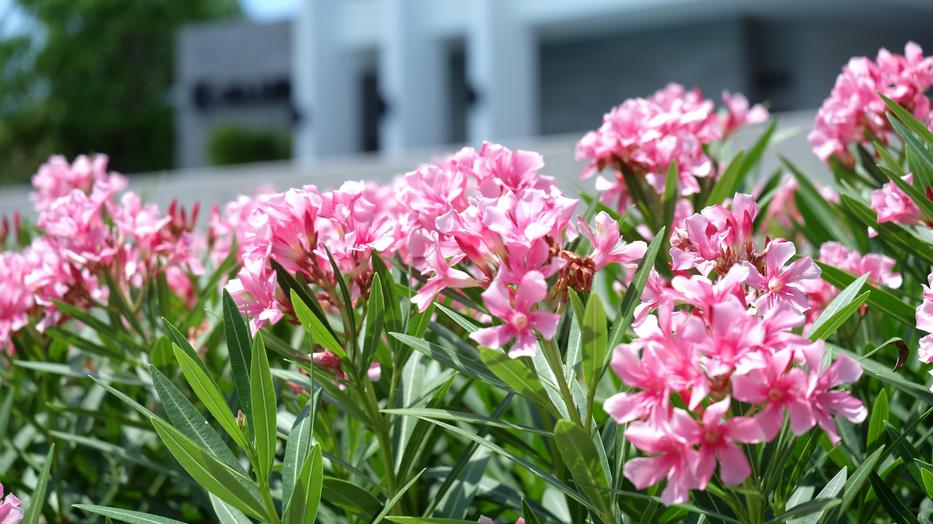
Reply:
x=854, y=109
x=57, y=178
x=645, y=373
x=893, y=205
x=717, y=439
x=444, y=277
x=606, y=240
x=827, y=402
x=782, y=283
x=925, y=322
x=672, y=457
x=778, y=386
x=739, y=113
x=514, y=308
x=16, y=299
x=10, y=513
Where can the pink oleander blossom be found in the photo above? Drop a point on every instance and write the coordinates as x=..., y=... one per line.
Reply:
x=608, y=247
x=782, y=282
x=925, y=322
x=57, y=178
x=515, y=307
x=10, y=512
x=643, y=136
x=853, y=110
x=671, y=457
x=717, y=437
x=16, y=299
x=893, y=205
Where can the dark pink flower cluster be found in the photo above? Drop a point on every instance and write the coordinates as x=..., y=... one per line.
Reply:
x=480, y=218
x=490, y=213
x=854, y=112
x=301, y=229
x=723, y=330
x=644, y=135
x=87, y=232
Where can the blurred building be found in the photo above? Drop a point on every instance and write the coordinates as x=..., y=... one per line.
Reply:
x=348, y=76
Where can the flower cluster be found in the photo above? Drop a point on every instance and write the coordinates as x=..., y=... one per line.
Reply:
x=716, y=362
x=490, y=213
x=879, y=268
x=854, y=113
x=88, y=235
x=893, y=205
x=481, y=218
x=642, y=136
x=303, y=230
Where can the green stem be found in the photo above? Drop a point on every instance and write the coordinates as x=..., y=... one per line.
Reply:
x=552, y=355
x=271, y=512
x=382, y=435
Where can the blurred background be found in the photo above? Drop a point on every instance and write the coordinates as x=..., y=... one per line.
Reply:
x=188, y=95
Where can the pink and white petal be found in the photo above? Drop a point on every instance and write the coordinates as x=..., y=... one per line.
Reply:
x=733, y=465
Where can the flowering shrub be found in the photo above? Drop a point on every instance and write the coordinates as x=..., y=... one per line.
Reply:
x=438, y=348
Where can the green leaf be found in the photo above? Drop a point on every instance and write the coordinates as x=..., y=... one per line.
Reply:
x=819, y=214
x=595, y=341
x=319, y=333
x=878, y=297
x=297, y=447
x=209, y=393
x=226, y=513
x=37, y=501
x=632, y=295
x=306, y=496
x=125, y=515
x=829, y=491
x=344, y=290
x=879, y=415
x=462, y=416
x=889, y=232
x=374, y=320
x=351, y=497
x=238, y=347
x=120, y=452
x=857, y=480
x=582, y=460
x=530, y=516
x=816, y=506
x=264, y=408
x=393, y=308
x=882, y=373
x=544, y=475
x=669, y=203
x=470, y=327
x=418, y=322
x=175, y=336
x=927, y=476
x=891, y=503
x=186, y=418
x=513, y=372
x=840, y=309
x=428, y=520
x=397, y=497
x=463, y=362
x=214, y=476
x=66, y=370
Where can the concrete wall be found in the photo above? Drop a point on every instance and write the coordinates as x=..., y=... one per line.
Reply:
x=218, y=185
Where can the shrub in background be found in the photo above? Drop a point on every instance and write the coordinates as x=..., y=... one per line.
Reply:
x=233, y=144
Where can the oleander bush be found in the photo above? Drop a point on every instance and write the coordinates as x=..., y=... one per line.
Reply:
x=695, y=340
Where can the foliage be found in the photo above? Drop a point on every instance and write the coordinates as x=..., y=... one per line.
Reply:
x=232, y=144
x=93, y=75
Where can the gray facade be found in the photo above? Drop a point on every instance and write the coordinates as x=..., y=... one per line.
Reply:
x=230, y=74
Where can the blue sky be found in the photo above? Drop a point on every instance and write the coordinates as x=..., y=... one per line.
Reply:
x=267, y=10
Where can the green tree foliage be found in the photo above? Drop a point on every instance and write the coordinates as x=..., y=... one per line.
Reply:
x=93, y=75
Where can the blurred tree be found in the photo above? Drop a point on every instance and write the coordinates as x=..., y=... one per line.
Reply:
x=94, y=76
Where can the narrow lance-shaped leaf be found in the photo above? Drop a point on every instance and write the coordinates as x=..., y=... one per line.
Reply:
x=306, y=497
x=37, y=502
x=186, y=418
x=264, y=408
x=125, y=515
x=297, y=447
x=633, y=294
x=209, y=393
x=840, y=309
x=211, y=474
x=314, y=327
x=238, y=347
